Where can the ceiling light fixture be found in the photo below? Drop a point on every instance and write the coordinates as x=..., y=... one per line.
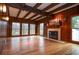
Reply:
x=3, y=8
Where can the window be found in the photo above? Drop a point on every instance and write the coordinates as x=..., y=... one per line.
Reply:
x=24, y=29
x=75, y=28
x=42, y=29
x=32, y=28
x=15, y=28
x=3, y=28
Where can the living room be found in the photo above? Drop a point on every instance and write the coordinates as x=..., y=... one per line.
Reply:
x=39, y=28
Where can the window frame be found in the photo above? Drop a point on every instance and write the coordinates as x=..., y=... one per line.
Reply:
x=42, y=29
x=19, y=28
x=74, y=28
x=27, y=29
x=32, y=29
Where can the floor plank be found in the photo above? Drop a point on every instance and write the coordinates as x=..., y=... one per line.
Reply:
x=37, y=45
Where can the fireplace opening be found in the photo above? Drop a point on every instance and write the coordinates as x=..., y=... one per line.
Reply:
x=53, y=34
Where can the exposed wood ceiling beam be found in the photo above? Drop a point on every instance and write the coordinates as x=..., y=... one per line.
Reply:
x=50, y=6
x=41, y=18
x=37, y=18
x=62, y=7
x=33, y=16
x=26, y=14
x=28, y=8
x=20, y=19
x=44, y=19
x=8, y=13
x=66, y=8
x=37, y=5
x=18, y=13
x=37, y=11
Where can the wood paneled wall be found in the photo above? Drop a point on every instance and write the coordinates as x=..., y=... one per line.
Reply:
x=65, y=17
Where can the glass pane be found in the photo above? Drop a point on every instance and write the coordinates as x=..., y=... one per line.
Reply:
x=41, y=28
x=75, y=22
x=75, y=34
x=75, y=28
x=32, y=28
x=3, y=28
x=15, y=28
x=24, y=29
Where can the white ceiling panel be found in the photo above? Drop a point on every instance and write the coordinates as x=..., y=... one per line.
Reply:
x=44, y=5
x=31, y=4
x=22, y=13
x=57, y=6
x=36, y=17
x=30, y=15
x=13, y=11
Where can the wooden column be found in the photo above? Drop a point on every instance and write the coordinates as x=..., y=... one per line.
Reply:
x=28, y=28
x=36, y=29
x=20, y=29
x=45, y=30
x=9, y=29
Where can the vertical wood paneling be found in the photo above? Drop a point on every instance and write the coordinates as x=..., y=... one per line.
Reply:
x=65, y=17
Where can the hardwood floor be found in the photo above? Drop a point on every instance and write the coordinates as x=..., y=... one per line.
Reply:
x=37, y=45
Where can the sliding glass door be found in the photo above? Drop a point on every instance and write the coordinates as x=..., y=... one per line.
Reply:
x=15, y=29
x=75, y=28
